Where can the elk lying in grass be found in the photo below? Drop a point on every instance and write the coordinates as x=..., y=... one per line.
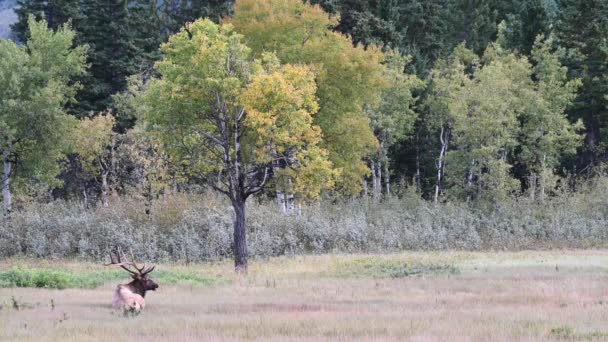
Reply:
x=130, y=297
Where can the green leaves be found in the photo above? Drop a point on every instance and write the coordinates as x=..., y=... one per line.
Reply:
x=227, y=118
x=93, y=138
x=503, y=110
x=36, y=82
x=347, y=77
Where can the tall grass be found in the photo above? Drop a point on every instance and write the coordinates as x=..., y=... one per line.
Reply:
x=192, y=228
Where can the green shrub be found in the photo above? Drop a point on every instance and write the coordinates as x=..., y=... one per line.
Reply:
x=18, y=277
x=57, y=279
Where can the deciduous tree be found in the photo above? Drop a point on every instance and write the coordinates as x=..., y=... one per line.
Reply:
x=226, y=117
x=347, y=77
x=36, y=82
x=94, y=146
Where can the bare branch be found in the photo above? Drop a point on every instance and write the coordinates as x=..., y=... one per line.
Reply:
x=260, y=186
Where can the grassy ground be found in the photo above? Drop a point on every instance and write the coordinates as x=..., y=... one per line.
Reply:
x=456, y=296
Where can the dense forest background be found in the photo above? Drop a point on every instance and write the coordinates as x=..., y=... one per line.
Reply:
x=479, y=103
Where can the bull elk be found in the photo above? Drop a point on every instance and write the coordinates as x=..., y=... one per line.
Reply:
x=130, y=297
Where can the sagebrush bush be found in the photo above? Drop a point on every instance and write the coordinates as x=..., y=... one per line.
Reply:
x=192, y=228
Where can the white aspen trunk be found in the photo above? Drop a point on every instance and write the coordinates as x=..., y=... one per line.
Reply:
x=533, y=180
x=7, y=201
x=383, y=161
x=104, y=189
x=543, y=179
x=281, y=200
x=85, y=196
x=285, y=199
x=387, y=180
x=440, y=163
x=374, y=179
x=470, y=182
x=418, y=180
x=379, y=178
x=113, y=167
x=290, y=200
x=364, y=186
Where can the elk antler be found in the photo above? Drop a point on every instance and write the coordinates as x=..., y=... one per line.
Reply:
x=148, y=270
x=118, y=259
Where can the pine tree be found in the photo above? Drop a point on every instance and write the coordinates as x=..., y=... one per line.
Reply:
x=146, y=32
x=105, y=28
x=176, y=13
x=582, y=29
x=474, y=22
x=55, y=12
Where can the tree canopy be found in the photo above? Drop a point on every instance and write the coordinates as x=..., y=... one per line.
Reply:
x=227, y=117
x=36, y=83
x=348, y=77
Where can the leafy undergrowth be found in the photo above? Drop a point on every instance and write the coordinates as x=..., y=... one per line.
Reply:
x=59, y=279
x=389, y=268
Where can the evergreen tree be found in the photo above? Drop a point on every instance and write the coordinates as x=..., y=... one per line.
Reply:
x=146, y=32
x=582, y=29
x=105, y=28
x=527, y=20
x=176, y=13
x=414, y=27
x=55, y=12
x=474, y=22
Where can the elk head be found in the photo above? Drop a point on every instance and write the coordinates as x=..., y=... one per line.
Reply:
x=140, y=283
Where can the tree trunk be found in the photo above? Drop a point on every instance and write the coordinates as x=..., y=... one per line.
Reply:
x=85, y=196
x=383, y=164
x=7, y=201
x=418, y=177
x=372, y=167
x=104, y=188
x=113, y=167
x=364, y=186
x=379, y=178
x=240, y=237
x=281, y=200
x=543, y=179
x=532, y=180
x=387, y=179
x=440, y=163
x=470, y=183
x=290, y=202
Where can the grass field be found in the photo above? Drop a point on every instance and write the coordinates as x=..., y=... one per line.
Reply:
x=455, y=296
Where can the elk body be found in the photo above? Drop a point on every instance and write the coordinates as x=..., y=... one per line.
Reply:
x=131, y=297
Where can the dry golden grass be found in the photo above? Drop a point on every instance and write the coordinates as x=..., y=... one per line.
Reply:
x=496, y=296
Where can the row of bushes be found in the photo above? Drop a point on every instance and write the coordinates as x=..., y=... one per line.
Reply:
x=193, y=228
x=61, y=279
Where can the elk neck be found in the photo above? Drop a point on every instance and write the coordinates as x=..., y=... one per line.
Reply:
x=137, y=287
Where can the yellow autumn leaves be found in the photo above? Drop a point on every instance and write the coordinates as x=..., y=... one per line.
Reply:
x=224, y=114
x=280, y=104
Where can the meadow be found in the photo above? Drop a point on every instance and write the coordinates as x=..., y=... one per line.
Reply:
x=420, y=296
